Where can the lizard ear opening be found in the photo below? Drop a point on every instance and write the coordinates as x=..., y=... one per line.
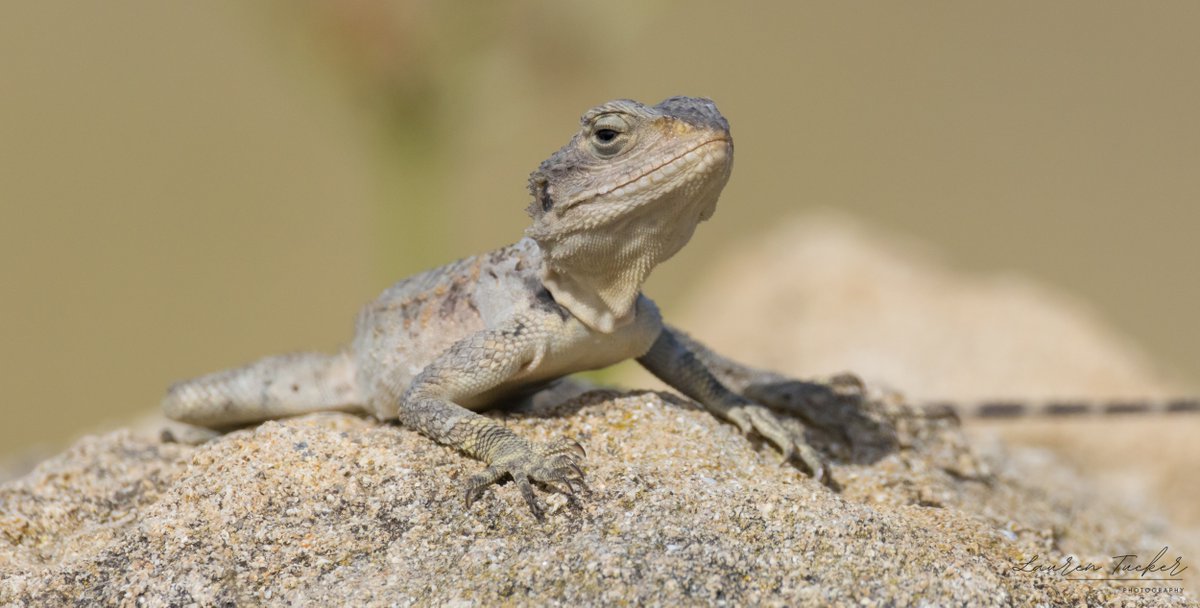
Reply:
x=543, y=195
x=542, y=203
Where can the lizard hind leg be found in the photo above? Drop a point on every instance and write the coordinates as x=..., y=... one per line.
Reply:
x=274, y=387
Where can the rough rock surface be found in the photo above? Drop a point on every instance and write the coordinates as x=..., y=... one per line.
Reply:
x=337, y=510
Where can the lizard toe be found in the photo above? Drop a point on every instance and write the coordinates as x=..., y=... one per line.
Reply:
x=847, y=384
x=566, y=445
x=479, y=482
x=554, y=466
x=530, y=498
x=792, y=446
x=813, y=461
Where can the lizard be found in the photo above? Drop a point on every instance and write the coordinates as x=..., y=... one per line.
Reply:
x=623, y=195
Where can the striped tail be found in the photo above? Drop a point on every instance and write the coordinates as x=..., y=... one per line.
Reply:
x=1060, y=408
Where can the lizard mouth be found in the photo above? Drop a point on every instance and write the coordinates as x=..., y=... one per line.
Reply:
x=697, y=155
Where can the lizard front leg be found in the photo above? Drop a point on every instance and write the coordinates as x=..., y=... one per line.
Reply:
x=674, y=363
x=473, y=366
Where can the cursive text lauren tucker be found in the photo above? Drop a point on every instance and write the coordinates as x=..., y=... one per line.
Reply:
x=1122, y=568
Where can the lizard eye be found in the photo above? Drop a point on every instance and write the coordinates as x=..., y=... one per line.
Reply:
x=610, y=134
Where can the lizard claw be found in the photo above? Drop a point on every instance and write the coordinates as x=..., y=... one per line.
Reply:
x=554, y=465
x=753, y=418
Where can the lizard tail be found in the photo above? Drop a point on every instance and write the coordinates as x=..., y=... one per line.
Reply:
x=275, y=387
x=1001, y=409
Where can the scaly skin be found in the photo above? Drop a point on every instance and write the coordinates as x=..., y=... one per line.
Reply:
x=623, y=195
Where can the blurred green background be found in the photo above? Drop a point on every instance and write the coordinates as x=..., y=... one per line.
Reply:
x=188, y=186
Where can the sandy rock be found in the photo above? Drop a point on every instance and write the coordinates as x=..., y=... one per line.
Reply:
x=337, y=510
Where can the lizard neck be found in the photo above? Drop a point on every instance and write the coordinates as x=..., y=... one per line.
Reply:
x=596, y=271
x=604, y=301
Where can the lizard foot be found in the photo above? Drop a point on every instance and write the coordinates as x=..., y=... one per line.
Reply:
x=754, y=418
x=555, y=465
x=839, y=408
x=817, y=401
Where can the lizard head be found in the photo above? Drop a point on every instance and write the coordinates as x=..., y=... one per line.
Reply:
x=622, y=196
